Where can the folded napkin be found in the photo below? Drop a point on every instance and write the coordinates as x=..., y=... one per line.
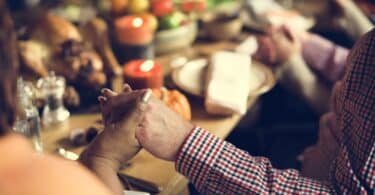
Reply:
x=228, y=83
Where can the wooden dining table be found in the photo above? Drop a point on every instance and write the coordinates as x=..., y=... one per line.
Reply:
x=145, y=166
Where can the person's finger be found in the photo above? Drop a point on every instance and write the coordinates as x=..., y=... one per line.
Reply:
x=323, y=122
x=120, y=105
x=288, y=33
x=126, y=88
x=276, y=35
x=271, y=30
x=136, y=115
x=102, y=99
x=302, y=157
x=103, y=106
x=125, y=98
x=108, y=93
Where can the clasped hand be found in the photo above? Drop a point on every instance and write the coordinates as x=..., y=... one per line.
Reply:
x=131, y=124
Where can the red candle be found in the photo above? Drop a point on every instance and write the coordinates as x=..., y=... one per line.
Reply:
x=140, y=74
x=133, y=30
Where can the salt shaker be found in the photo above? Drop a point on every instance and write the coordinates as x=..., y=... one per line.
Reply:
x=28, y=121
x=52, y=89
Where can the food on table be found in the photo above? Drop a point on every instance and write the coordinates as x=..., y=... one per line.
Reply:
x=162, y=7
x=196, y=5
x=55, y=44
x=151, y=20
x=227, y=85
x=173, y=20
x=175, y=100
x=96, y=35
x=191, y=76
x=138, y=6
x=118, y=7
x=213, y=3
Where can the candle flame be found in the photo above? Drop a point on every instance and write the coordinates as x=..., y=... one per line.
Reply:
x=137, y=22
x=147, y=66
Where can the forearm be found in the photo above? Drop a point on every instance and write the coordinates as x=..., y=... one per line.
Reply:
x=217, y=167
x=103, y=167
x=355, y=22
x=324, y=57
x=297, y=77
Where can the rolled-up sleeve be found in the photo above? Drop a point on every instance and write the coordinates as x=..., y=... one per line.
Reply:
x=325, y=57
x=217, y=167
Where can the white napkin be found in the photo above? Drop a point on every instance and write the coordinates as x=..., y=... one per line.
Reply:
x=228, y=83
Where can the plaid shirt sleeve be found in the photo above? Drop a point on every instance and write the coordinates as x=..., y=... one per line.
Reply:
x=217, y=167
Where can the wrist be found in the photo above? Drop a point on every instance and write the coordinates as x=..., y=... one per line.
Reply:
x=188, y=131
x=294, y=71
x=95, y=161
x=98, y=154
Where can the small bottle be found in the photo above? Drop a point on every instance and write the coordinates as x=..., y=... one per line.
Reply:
x=28, y=120
x=52, y=89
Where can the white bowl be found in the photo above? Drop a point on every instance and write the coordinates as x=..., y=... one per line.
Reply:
x=175, y=39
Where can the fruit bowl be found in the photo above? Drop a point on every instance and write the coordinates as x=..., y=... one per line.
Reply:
x=175, y=39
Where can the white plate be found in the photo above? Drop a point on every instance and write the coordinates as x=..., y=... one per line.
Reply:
x=191, y=78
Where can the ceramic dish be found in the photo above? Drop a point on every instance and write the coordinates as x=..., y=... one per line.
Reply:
x=191, y=78
x=179, y=38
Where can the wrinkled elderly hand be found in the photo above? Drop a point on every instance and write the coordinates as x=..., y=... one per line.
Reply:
x=162, y=131
x=279, y=45
x=121, y=116
x=122, y=113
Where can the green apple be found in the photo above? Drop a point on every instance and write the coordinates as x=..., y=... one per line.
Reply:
x=172, y=21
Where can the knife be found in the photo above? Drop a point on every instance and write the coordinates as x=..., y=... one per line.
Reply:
x=140, y=184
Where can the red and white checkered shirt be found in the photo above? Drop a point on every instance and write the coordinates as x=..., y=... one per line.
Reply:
x=217, y=167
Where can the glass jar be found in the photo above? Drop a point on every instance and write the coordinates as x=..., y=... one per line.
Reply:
x=52, y=89
x=28, y=120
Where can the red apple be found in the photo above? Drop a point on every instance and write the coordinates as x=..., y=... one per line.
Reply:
x=196, y=5
x=162, y=7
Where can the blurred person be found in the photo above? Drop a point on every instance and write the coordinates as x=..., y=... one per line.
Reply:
x=311, y=75
x=217, y=167
x=322, y=63
x=317, y=64
x=22, y=170
x=353, y=20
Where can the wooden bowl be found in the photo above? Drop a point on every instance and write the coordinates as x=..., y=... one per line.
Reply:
x=222, y=27
x=175, y=39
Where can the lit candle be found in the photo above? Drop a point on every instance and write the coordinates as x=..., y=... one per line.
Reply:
x=140, y=74
x=133, y=30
